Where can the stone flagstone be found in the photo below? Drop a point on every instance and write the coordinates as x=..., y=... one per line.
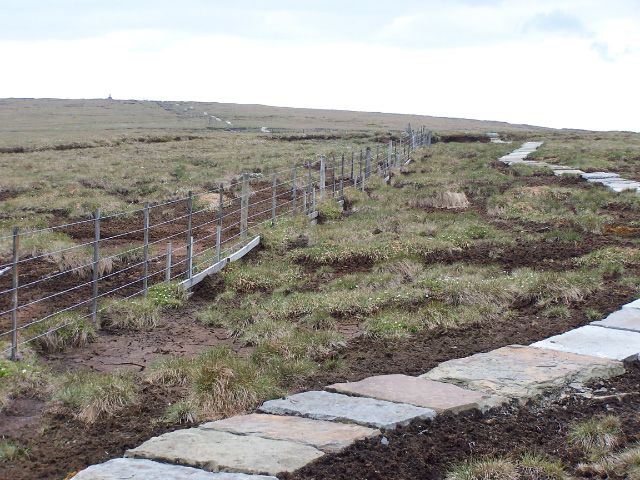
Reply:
x=523, y=372
x=599, y=175
x=221, y=451
x=326, y=436
x=624, y=319
x=595, y=341
x=342, y=408
x=441, y=397
x=134, y=469
x=567, y=172
x=634, y=304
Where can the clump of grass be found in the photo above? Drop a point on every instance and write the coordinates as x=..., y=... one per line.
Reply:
x=318, y=320
x=536, y=466
x=557, y=311
x=446, y=200
x=484, y=469
x=624, y=464
x=609, y=260
x=596, y=437
x=62, y=331
x=170, y=371
x=266, y=330
x=93, y=395
x=26, y=378
x=245, y=277
x=167, y=295
x=393, y=324
x=329, y=210
x=181, y=412
x=11, y=450
x=132, y=314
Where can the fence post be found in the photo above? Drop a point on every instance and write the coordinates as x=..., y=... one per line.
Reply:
x=14, y=294
x=378, y=167
x=189, y=237
x=342, y=178
x=304, y=201
x=389, y=154
x=367, y=163
x=429, y=139
x=244, y=207
x=313, y=200
x=220, y=204
x=333, y=177
x=96, y=265
x=273, y=200
x=218, y=242
x=145, y=252
x=167, y=268
x=353, y=180
x=294, y=192
x=395, y=154
x=309, y=187
x=190, y=263
x=323, y=176
x=360, y=177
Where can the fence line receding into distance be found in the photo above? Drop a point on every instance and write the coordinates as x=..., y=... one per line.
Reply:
x=181, y=240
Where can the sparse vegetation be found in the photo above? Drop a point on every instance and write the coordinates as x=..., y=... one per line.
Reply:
x=137, y=313
x=62, y=331
x=596, y=437
x=10, y=450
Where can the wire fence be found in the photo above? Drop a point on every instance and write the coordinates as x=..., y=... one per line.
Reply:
x=121, y=255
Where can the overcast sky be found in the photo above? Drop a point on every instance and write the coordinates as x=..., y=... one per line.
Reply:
x=558, y=63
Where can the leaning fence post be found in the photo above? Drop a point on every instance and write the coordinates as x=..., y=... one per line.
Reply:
x=167, y=268
x=323, y=176
x=145, y=252
x=96, y=265
x=244, y=207
x=273, y=200
x=294, y=191
x=14, y=294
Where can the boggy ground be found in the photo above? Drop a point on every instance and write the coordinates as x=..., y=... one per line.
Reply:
x=405, y=283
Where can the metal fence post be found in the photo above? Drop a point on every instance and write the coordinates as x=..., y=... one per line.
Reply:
x=353, y=180
x=220, y=204
x=167, y=268
x=14, y=294
x=389, y=154
x=294, y=191
x=342, y=178
x=360, y=177
x=218, y=243
x=96, y=266
x=273, y=200
x=333, y=177
x=367, y=163
x=189, y=232
x=145, y=252
x=244, y=207
x=323, y=176
x=309, y=187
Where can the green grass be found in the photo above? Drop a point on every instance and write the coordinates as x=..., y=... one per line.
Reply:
x=11, y=450
x=93, y=395
x=596, y=437
x=61, y=331
x=167, y=295
x=137, y=313
x=27, y=378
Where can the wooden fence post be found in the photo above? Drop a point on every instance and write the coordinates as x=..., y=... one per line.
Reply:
x=167, y=268
x=145, y=251
x=323, y=177
x=96, y=267
x=273, y=200
x=244, y=207
x=189, y=232
x=14, y=294
x=294, y=191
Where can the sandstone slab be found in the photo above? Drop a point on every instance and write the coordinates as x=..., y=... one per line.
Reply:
x=521, y=372
x=326, y=436
x=595, y=341
x=599, y=175
x=342, y=408
x=438, y=396
x=221, y=451
x=623, y=319
x=134, y=469
x=567, y=172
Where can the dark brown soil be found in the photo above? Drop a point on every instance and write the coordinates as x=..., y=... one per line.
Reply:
x=426, y=450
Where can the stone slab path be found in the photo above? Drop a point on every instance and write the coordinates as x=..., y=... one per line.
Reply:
x=330, y=406
x=298, y=429
x=597, y=341
x=438, y=396
x=522, y=373
x=216, y=451
x=326, y=436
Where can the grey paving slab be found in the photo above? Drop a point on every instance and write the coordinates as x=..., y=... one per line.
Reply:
x=595, y=341
x=621, y=187
x=567, y=172
x=326, y=436
x=623, y=319
x=343, y=408
x=439, y=396
x=521, y=372
x=599, y=175
x=136, y=469
x=634, y=304
x=221, y=451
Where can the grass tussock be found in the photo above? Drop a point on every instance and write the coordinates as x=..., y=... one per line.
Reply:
x=596, y=437
x=133, y=314
x=167, y=295
x=93, y=395
x=529, y=466
x=11, y=450
x=61, y=332
x=446, y=200
x=27, y=378
x=623, y=464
